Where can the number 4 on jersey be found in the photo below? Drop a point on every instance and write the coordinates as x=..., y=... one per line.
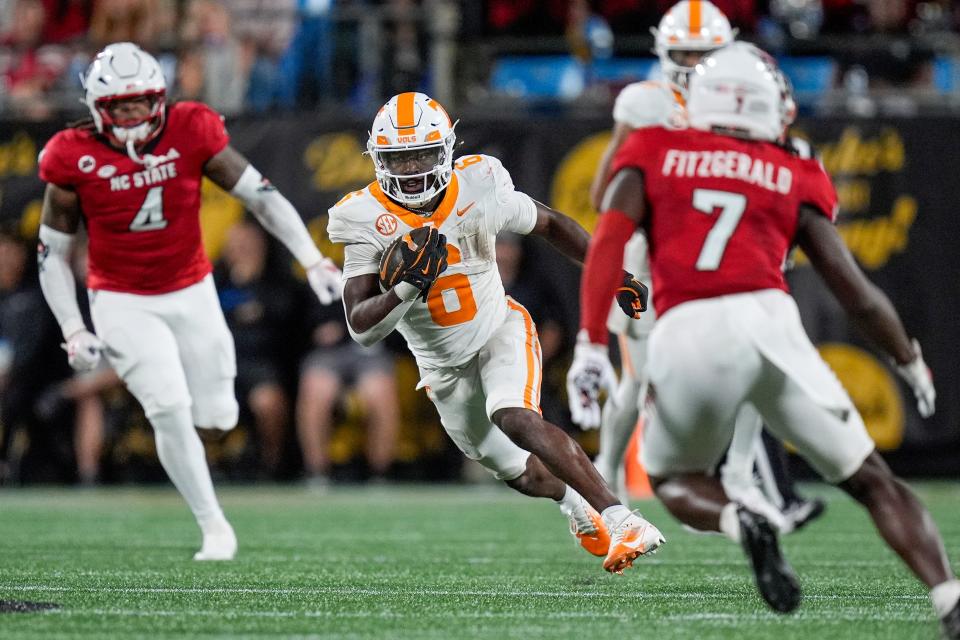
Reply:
x=732, y=206
x=150, y=216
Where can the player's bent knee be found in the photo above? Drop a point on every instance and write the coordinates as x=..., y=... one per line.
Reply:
x=222, y=415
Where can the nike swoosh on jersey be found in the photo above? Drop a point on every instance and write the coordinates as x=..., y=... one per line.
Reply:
x=460, y=212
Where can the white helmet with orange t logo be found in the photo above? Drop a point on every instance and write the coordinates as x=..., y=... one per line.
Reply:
x=411, y=143
x=690, y=29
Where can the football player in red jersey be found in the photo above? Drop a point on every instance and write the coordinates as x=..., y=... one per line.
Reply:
x=133, y=176
x=722, y=204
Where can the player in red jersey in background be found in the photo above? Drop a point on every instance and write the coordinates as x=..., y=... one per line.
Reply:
x=722, y=204
x=133, y=177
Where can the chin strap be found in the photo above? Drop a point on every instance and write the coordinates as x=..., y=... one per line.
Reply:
x=148, y=160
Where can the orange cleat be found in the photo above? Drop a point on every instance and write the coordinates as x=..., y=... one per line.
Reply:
x=632, y=538
x=594, y=539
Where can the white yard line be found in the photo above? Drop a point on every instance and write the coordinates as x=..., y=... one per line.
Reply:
x=402, y=591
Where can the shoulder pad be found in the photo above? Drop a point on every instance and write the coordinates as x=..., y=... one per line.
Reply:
x=644, y=104
x=355, y=218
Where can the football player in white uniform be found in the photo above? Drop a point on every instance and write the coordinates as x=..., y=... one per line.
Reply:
x=477, y=349
x=688, y=31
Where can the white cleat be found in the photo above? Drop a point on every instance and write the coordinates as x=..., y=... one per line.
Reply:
x=631, y=538
x=219, y=543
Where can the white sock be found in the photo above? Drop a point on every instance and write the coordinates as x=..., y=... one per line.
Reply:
x=570, y=500
x=614, y=515
x=617, y=423
x=183, y=458
x=729, y=522
x=945, y=597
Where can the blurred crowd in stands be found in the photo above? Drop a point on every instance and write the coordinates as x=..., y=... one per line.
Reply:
x=242, y=55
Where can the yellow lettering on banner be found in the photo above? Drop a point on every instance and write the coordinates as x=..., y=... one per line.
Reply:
x=853, y=194
x=854, y=155
x=19, y=156
x=570, y=189
x=337, y=163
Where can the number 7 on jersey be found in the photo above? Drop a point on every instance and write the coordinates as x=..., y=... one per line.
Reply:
x=732, y=206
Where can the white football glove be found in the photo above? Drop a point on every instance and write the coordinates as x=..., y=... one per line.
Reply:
x=326, y=281
x=589, y=373
x=83, y=350
x=917, y=375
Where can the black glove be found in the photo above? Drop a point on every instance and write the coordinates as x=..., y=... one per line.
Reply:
x=632, y=296
x=425, y=274
x=416, y=257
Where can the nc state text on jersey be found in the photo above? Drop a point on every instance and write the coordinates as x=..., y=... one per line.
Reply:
x=728, y=164
x=144, y=178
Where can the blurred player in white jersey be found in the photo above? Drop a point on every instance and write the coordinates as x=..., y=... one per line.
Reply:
x=722, y=204
x=688, y=31
x=420, y=258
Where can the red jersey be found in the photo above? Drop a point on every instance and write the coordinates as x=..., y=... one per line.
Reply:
x=722, y=212
x=143, y=223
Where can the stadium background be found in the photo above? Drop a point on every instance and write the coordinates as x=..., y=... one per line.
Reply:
x=532, y=83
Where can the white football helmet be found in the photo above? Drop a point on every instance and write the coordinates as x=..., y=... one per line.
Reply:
x=124, y=70
x=411, y=144
x=740, y=90
x=689, y=26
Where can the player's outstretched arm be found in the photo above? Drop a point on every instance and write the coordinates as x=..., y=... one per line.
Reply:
x=864, y=302
x=372, y=315
x=591, y=371
x=58, y=225
x=232, y=172
x=562, y=231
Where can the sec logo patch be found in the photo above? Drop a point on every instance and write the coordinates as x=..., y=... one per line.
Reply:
x=386, y=224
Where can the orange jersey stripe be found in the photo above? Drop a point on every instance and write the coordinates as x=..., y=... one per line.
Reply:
x=696, y=15
x=532, y=348
x=405, y=120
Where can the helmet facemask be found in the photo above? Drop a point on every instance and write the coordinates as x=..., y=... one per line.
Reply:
x=137, y=131
x=414, y=175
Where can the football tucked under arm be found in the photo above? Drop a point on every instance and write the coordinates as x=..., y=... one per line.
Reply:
x=415, y=258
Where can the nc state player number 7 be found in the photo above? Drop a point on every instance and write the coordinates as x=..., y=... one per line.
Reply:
x=731, y=205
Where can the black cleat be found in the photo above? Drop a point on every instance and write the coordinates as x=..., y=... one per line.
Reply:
x=950, y=623
x=802, y=512
x=775, y=578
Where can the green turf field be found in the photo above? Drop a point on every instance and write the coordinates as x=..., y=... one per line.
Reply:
x=452, y=563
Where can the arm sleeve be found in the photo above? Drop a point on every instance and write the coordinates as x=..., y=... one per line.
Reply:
x=516, y=211
x=360, y=260
x=56, y=279
x=818, y=190
x=277, y=215
x=602, y=270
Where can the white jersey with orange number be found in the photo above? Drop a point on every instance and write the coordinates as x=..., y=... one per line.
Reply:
x=467, y=303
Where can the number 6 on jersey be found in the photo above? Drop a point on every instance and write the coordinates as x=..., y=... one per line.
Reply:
x=732, y=206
